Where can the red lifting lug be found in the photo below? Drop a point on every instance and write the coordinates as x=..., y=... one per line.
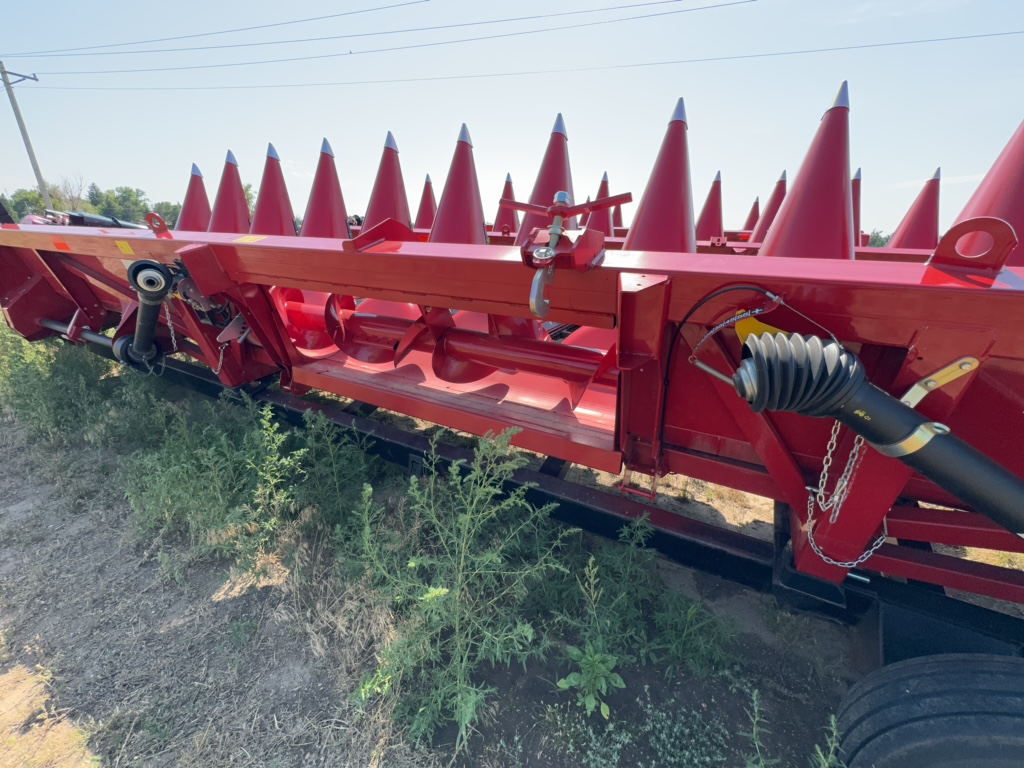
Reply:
x=982, y=244
x=588, y=251
x=387, y=230
x=158, y=226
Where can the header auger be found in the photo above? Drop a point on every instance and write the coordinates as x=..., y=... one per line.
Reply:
x=644, y=349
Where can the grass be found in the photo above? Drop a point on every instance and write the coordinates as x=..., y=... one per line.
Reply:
x=32, y=733
x=414, y=587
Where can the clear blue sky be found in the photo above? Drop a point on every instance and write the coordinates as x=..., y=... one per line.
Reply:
x=951, y=104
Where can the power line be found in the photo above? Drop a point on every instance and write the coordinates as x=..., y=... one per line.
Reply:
x=606, y=67
x=354, y=34
x=220, y=32
x=412, y=46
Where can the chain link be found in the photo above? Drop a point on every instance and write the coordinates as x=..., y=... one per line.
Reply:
x=151, y=371
x=849, y=563
x=170, y=325
x=834, y=502
x=819, y=498
x=220, y=363
x=174, y=339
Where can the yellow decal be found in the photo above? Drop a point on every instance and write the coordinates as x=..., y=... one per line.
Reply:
x=249, y=239
x=749, y=325
x=124, y=247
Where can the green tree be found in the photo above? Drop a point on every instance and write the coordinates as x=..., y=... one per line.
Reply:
x=168, y=211
x=122, y=203
x=878, y=240
x=128, y=204
x=22, y=202
x=250, y=198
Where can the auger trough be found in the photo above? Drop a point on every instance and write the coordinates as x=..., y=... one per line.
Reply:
x=876, y=394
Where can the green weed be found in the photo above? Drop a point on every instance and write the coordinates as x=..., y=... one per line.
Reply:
x=829, y=757
x=687, y=633
x=621, y=592
x=595, y=677
x=202, y=473
x=630, y=585
x=334, y=466
x=241, y=633
x=455, y=561
x=758, y=730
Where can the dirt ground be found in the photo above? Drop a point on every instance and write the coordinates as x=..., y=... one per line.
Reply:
x=110, y=655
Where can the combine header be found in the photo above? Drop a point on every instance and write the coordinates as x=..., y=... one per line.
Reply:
x=877, y=394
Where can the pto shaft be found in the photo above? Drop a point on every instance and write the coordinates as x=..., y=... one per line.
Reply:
x=803, y=374
x=151, y=282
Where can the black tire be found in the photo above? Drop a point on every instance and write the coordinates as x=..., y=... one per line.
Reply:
x=954, y=710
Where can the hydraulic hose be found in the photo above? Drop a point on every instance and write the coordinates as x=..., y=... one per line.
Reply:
x=812, y=377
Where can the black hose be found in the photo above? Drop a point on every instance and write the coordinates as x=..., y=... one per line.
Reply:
x=805, y=375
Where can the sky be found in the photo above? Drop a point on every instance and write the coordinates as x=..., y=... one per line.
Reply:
x=952, y=104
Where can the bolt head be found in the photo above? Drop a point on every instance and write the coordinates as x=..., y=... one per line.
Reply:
x=966, y=366
x=931, y=384
x=561, y=198
x=543, y=256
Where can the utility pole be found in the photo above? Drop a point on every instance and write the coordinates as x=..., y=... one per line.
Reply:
x=24, y=131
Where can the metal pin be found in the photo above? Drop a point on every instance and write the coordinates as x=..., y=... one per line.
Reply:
x=717, y=374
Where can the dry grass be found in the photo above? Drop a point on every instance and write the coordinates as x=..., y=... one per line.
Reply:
x=345, y=624
x=1013, y=560
x=31, y=734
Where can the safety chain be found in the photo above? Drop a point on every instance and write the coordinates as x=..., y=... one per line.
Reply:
x=170, y=326
x=842, y=489
x=174, y=341
x=151, y=371
x=194, y=304
x=220, y=363
x=833, y=503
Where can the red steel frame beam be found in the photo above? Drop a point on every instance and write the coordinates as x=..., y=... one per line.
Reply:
x=951, y=572
x=953, y=528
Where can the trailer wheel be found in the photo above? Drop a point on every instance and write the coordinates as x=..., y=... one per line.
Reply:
x=937, y=712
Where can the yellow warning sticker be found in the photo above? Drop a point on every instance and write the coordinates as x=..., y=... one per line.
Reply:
x=124, y=247
x=250, y=239
x=749, y=325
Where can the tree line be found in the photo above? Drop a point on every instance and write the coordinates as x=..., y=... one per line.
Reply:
x=71, y=195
